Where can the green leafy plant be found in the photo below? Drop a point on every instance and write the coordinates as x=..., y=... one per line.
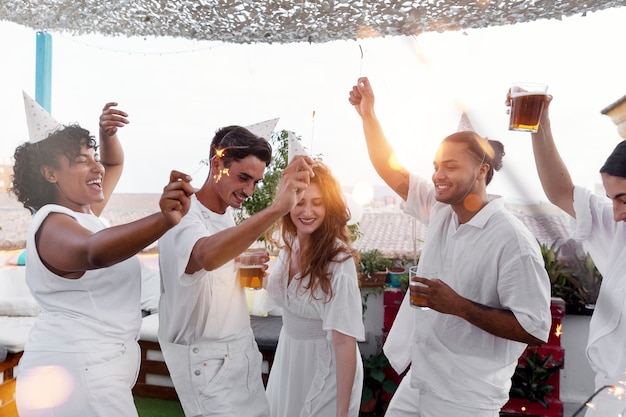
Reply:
x=374, y=379
x=585, y=272
x=354, y=231
x=563, y=284
x=365, y=295
x=530, y=381
x=373, y=261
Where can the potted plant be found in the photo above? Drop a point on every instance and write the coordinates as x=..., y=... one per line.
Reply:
x=586, y=273
x=375, y=382
x=399, y=274
x=563, y=284
x=532, y=386
x=372, y=268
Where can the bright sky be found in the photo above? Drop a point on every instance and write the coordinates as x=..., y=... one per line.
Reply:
x=178, y=92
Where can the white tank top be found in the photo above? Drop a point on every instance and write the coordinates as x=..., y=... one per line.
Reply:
x=93, y=312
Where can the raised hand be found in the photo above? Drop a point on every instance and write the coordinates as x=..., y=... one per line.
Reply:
x=362, y=96
x=294, y=180
x=176, y=197
x=111, y=119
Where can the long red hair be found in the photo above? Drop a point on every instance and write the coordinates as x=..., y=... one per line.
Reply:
x=331, y=242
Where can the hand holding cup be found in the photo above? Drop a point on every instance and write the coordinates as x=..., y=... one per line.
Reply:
x=251, y=266
x=418, y=284
x=527, y=103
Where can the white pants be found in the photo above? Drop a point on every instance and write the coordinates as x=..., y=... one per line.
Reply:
x=410, y=402
x=218, y=378
x=78, y=384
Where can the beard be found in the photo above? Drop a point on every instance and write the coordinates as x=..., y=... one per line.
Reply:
x=459, y=193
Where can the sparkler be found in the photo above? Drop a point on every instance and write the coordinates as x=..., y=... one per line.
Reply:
x=361, y=62
x=617, y=391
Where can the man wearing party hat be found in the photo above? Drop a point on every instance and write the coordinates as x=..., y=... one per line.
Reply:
x=462, y=329
x=82, y=356
x=204, y=328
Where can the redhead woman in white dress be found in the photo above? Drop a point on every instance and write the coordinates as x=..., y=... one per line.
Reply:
x=318, y=369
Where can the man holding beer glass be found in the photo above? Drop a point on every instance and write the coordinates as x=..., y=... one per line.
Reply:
x=601, y=225
x=204, y=326
x=492, y=296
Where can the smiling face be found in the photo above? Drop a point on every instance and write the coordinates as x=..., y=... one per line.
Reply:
x=308, y=215
x=78, y=181
x=455, y=173
x=235, y=183
x=615, y=188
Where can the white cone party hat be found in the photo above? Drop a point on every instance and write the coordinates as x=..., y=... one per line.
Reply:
x=40, y=122
x=263, y=129
x=294, y=147
x=465, y=124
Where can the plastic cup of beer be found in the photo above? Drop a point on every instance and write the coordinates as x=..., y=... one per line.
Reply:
x=251, y=268
x=527, y=102
x=413, y=273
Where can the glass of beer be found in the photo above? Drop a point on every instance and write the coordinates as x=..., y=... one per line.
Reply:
x=415, y=298
x=527, y=101
x=251, y=268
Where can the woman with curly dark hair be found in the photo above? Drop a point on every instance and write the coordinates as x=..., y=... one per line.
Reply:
x=317, y=370
x=82, y=356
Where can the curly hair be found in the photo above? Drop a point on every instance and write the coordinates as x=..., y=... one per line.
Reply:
x=235, y=143
x=28, y=184
x=487, y=150
x=325, y=249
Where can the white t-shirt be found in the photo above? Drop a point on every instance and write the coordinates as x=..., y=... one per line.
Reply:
x=605, y=240
x=86, y=314
x=493, y=260
x=204, y=306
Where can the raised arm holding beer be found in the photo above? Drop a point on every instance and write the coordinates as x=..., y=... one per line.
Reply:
x=600, y=224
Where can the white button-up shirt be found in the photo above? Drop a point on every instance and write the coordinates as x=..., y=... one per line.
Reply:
x=493, y=260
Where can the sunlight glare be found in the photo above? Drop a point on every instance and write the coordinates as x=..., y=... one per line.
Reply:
x=48, y=387
x=363, y=193
x=394, y=162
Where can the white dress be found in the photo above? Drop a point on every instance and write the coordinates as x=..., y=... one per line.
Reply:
x=303, y=378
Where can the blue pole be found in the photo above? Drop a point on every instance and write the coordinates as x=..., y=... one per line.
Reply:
x=43, y=73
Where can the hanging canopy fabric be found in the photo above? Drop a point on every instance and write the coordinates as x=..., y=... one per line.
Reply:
x=283, y=21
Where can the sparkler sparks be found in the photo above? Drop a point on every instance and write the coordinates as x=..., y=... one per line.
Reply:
x=218, y=177
x=615, y=390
